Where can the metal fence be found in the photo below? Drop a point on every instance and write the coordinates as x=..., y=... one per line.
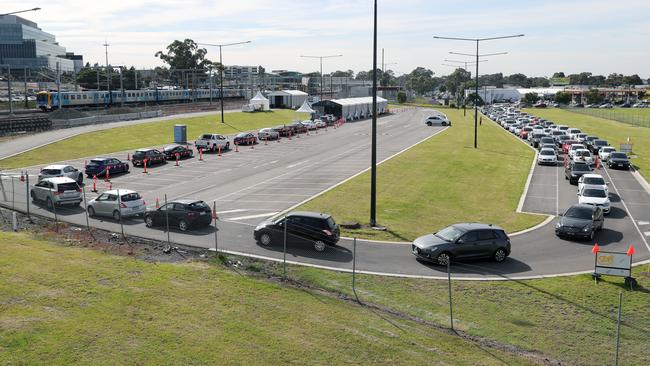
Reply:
x=634, y=116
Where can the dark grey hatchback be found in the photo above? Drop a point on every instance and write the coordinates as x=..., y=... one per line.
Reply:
x=463, y=241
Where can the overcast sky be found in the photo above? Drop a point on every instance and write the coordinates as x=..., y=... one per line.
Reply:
x=600, y=36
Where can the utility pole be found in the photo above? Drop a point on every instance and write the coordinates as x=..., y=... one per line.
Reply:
x=108, y=75
x=321, y=69
x=373, y=158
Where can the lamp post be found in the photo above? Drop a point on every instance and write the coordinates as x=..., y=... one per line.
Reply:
x=478, y=41
x=321, y=69
x=20, y=11
x=466, y=63
x=221, y=67
x=373, y=153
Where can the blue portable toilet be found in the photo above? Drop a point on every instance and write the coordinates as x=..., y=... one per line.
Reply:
x=180, y=134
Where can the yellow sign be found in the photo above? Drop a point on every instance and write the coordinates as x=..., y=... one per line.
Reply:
x=605, y=259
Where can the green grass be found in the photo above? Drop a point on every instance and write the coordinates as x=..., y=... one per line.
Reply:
x=635, y=116
x=65, y=305
x=443, y=180
x=614, y=132
x=568, y=318
x=145, y=134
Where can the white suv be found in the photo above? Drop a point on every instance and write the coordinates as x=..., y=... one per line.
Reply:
x=437, y=120
x=57, y=191
x=52, y=171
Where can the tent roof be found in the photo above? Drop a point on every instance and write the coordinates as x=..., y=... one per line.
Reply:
x=305, y=108
x=357, y=101
x=259, y=97
x=287, y=92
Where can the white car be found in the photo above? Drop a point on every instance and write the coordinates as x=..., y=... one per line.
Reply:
x=580, y=137
x=128, y=204
x=592, y=181
x=573, y=132
x=268, y=134
x=53, y=171
x=605, y=151
x=57, y=191
x=583, y=155
x=547, y=156
x=437, y=120
x=309, y=124
x=573, y=148
x=596, y=197
x=319, y=123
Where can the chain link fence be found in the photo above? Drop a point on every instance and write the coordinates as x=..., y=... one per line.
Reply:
x=634, y=116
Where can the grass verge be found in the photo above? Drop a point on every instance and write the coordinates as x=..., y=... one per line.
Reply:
x=145, y=134
x=614, y=132
x=67, y=305
x=441, y=181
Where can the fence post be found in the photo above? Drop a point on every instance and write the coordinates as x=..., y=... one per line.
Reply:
x=354, y=268
x=13, y=194
x=169, y=242
x=618, y=327
x=451, y=309
x=27, y=195
x=119, y=209
x=284, y=250
x=214, y=215
x=56, y=218
x=86, y=208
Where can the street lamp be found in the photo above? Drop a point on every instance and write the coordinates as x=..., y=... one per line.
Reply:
x=20, y=11
x=221, y=67
x=477, y=40
x=462, y=62
x=321, y=69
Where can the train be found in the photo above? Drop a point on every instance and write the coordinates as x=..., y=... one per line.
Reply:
x=48, y=100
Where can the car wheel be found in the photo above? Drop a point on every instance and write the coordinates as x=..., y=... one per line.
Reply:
x=500, y=255
x=116, y=215
x=49, y=204
x=319, y=246
x=444, y=123
x=443, y=258
x=227, y=145
x=91, y=211
x=429, y=124
x=182, y=225
x=148, y=221
x=265, y=239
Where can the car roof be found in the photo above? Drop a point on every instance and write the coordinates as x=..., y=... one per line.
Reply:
x=122, y=191
x=317, y=215
x=547, y=149
x=592, y=176
x=185, y=201
x=582, y=205
x=60, y=180
x=100, y=159
x=475, y=226
x=144, y=150
x=56, y=166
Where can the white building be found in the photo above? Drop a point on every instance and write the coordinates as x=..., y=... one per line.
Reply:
x=238, y=72
x=287, y=98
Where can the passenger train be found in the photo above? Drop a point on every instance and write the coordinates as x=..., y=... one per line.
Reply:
x=48, y=100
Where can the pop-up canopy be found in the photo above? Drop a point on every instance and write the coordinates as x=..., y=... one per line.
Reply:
x=305, y=108
x=259, y=102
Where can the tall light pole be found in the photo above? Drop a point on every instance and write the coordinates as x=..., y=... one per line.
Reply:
x=478, y=41
x=20, y=11
x=466, y=63
x=108, y=75
x=373, y=153
x=321, y=69
x=221, y=67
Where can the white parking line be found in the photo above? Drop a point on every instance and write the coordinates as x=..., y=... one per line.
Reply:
x=251, y=216
x=298, y=163
x=232, y=211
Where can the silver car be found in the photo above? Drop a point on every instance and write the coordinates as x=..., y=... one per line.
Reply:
x=69, y=171
x=128, y=204
x=57, y=191
x=268, y=134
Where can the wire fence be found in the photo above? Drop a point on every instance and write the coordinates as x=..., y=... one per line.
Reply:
x=634, y=116
x=617, y=329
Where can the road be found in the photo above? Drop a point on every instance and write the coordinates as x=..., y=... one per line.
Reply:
x=253, y=184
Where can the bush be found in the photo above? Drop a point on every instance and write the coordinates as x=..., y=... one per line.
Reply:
x=401, y=97
x=452, y=105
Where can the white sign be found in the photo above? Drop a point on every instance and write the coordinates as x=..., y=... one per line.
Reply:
x=614, y=264
x=626, y=148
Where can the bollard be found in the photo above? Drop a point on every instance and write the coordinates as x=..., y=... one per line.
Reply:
x=14, y=221
x=200, y=154
x=94, y=184
x=236, y=147
x=144, y=163
x=107, y=176
x=219, y=151
x=266, y=141
x=128, y=156
x=22, y=176
x=157, y=203
x=252, y=142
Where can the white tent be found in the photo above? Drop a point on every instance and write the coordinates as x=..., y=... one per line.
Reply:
x=259, y=102
x=305, y=108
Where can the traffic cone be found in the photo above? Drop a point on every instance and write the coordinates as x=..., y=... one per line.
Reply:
x=94, y=184
x=144, y=164
x=236, y=147
x=128, y=156
x=176, y=159
x=219, y=151
x=107, y=178
x=630, y=251
x=157, y=203
x=22, y=176
x=252, y=143
x=200, y=154
x=595, y=249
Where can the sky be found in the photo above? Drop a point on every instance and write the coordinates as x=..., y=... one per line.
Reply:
x=599, y=36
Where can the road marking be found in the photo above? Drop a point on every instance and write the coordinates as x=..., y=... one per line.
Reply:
x=251, y=216
x=627, y=210
x=643, y=222
x=231, y=211
x=298, y=163
x=647, y=233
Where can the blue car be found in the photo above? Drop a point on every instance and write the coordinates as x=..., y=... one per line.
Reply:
x=99, y=167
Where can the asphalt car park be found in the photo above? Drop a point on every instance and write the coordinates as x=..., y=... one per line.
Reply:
x=262, y=180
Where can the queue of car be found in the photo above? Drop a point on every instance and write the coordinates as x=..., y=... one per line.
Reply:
x=582, y=153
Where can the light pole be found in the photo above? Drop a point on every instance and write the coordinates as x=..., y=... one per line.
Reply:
x=108, y=76
x=321, y=69
x=466, y=63
x=221, y=67
x=20, y=11
x=373, y=153
x=477, y=40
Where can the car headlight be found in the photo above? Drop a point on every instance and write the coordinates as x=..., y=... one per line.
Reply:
x=587, y=228
x=558, y=225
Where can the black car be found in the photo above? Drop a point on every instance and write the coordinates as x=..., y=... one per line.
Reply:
x=588, y=141
x=303, y=228
x=183, y=214
x=595, y=146
x=575, y=170
x=463, y=241
x=536, y=137
x=618, y=160
x=580, y=221
x=101, y=166
x=560, y=140
x=153, y=156
x=297, y=127
x=245, y=138
x=182, y=151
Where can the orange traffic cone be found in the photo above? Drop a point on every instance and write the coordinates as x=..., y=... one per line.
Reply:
x=94, y=184
x=157, y=203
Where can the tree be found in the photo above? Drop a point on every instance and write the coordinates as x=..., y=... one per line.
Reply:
x=593, y=97
x=185, y=55
x=614, y=79
x=520, y=80
x=340, y=73
x=530, y=98
x=401, y=97
x=539, y=82
x=455, y=81
x=558, y=75
x=362, y=75
x=562, y=97
x=474, y=98
x=420, y=80
x=632, y=80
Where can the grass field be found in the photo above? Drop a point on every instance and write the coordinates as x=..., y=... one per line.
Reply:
x=441, y=181
x=635, y=116
x=65, y=305
x=146, y=134
x=614, y=132
x=570, y=319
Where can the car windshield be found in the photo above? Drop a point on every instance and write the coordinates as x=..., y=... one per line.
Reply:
x=51, y=171
x=331, y=222
x=584, y=153
x=140, y=153
x=207, y=137
x=130, y=197
x=450, y=233
x=96, y=162
x=547, y=152
x=577, y=212
x=600, y=143
x=608, y=149
x=581, y=167
x=242, y=135
x=600, y=193
x=597, y=181
x=619, y=156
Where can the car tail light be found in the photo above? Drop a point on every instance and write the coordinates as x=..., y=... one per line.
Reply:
x=122, y=205
x=78, y=189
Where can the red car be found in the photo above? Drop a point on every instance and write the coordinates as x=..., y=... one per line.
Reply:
x=524, y=132
x=245, y=138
